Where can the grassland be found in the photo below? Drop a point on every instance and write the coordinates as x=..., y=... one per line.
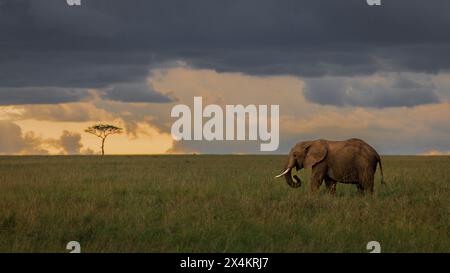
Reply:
x=215, y=204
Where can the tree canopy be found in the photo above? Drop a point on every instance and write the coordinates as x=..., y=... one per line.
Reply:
x=102, y=131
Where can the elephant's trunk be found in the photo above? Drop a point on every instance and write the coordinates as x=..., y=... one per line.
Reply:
x=291, y=182
x=287, y=174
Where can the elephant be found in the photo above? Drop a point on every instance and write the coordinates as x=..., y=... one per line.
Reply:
x=351, y=161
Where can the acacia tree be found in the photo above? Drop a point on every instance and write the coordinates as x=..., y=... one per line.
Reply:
x=103, y=131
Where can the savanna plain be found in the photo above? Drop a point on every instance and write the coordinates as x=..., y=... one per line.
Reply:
x=215, y=203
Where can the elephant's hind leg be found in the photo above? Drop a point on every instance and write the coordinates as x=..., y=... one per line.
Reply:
x=365, y=186
x=366, y=180
x=360, y=189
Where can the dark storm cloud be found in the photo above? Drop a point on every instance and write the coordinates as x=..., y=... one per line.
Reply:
x=105, y=42
x=131, y=92
x=71, y=68
x=126, y=92
x=40, y=95
x=387, y=91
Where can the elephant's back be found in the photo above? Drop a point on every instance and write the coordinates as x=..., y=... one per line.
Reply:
x=352, y=157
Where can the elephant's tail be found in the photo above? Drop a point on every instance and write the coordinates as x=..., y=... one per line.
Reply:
x=381, y=170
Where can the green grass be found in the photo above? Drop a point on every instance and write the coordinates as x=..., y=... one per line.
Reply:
x=215, y=204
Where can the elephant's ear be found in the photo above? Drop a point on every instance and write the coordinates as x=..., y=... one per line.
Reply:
x=315, y=153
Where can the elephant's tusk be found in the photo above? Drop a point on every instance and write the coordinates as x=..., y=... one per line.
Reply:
x=285, y=172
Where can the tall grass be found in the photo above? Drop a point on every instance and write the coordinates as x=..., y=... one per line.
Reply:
x=215, y=204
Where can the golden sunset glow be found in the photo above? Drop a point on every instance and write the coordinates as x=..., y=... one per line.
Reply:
x=147, y=125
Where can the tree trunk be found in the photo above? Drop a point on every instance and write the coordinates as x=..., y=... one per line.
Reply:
x=103, y=146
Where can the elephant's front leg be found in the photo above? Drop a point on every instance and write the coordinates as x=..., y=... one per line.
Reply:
x=317, y=176
x=331, y=186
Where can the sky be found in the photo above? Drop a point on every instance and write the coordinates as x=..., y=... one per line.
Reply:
x=338, y=69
